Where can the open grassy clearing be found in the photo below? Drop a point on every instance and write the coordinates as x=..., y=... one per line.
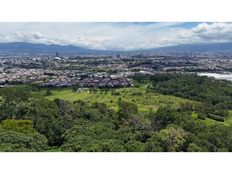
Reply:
x=145, y=101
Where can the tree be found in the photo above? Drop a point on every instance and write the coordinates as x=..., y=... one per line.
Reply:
x=171, y=139
x=191, y=86
x=219, y=136
x=13, y=98
x=91, y=136
x=48, y=92
x=49, y=121
x=135, y=146
x=76, y=88
x=19, y=135
x=163, y=117
x=126, y=110
x=192, y=147
x=111, y=145
x=22, y=126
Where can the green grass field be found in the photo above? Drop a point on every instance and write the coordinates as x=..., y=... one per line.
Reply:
x=145, y=101
x=229, y=119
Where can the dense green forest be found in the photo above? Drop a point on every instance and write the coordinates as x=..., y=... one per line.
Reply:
x=31, y=119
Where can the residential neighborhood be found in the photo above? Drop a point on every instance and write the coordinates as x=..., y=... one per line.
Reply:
x=102, y=71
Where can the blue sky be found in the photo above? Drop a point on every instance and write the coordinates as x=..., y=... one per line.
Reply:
x=189, y=25
x=117, y=35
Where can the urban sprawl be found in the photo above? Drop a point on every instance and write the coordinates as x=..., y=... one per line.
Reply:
x=101, y=71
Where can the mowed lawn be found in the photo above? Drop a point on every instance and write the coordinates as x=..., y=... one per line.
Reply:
x=145, y=101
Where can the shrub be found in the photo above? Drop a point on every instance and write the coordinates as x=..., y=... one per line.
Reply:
x=216, y=117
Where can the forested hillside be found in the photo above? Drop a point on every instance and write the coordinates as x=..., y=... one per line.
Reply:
x=161, y=113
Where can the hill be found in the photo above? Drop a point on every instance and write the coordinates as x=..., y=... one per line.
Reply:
x=32, y=48
x=223, y=48
x=20, y=48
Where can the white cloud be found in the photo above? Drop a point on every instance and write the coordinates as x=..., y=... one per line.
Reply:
x=215, y=32
x=121, y=36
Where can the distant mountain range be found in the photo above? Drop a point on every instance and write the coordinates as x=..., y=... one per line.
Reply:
x=15, y=48
x=197, y=48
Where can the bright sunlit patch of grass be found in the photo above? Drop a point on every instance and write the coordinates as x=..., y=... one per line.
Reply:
x=145, y=101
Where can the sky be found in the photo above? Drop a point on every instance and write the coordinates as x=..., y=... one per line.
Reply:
x=116, y=35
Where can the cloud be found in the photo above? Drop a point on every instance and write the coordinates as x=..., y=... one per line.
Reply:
x=117, y=36
x=37, y=37
x=215, y=32
x=24, y=37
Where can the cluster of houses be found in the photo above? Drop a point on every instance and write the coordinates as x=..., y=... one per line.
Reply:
x=20, y=75
x=100, y=82
x=64, y=78
x=109, y=82
x=50, y=71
